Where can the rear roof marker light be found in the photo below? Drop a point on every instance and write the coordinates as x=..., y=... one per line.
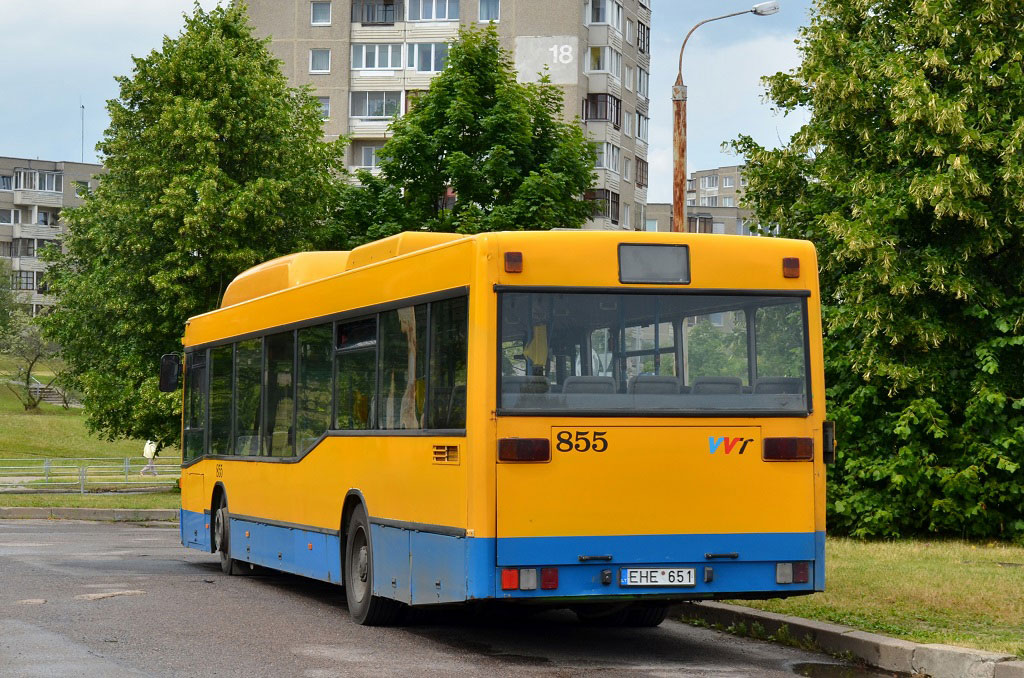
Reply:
x=790, y=267
x=513, y=262
x=788, y=449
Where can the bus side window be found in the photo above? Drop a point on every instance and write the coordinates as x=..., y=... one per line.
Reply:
x=355, y=367
x=278, y=429
x=248, y=382
x=313, y=406
x=403, y=367
x=222, y=361
x=195, y=404
x=449, y=350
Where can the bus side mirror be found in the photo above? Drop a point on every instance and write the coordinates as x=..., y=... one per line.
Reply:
x=170, y=372
x=828, y=434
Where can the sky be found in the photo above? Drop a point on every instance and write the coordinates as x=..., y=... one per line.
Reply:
x=63, y=54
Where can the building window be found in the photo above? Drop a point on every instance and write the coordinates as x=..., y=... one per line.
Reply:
x=490, y=10
x=642, y=168
x=320, y=13
x=643, y=82
x=31, y=180
x=23, y=280
x=433, y=10
x=718, y=228
x=608, y=156
x=727, y=201
x=727, y=182
x=629, y=77
x=643, y=37
x=605, y=12
x=373, y=11
x=6, y=182
x=606, y=204
x=709, y=181
x=368, y=155
x=605, y=107
x=375, y=104
x=625, y=215
x=627, y=169
x=10, y=216
x=651, y=225
x=629, y=31
x=319, y=61
x=23, y=247
x=709, y=201
x=605, y=60
x=325, y=107
x=44, y=218
x=628, y=120
x=642, y=125
x=387, y=56
x=691, y=184
x=743, y=228
x=5, y=248
x=428, y=57
x=743, y=181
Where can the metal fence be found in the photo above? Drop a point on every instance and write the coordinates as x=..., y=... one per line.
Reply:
x=83, y=475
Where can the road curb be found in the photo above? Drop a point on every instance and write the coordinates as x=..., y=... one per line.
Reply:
x=100, y=514
x=888, y=654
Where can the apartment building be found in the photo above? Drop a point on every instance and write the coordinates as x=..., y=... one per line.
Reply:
x=367, y=59
x=33, y=193
x=712, y=204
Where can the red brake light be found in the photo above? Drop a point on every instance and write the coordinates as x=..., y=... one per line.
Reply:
x=524, y=449
x=801, y=572
x=788, y=449
x=790, y=267
x=510, y=579
x=513, y=262
x=549, y=578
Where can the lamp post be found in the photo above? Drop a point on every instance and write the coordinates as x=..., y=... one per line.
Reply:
x=679, y=119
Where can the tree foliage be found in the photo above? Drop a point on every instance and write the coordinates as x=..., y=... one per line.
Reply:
x=909, y=178
x=477, y=152
x=7, y=301
x=214, y=165
x=27, y=350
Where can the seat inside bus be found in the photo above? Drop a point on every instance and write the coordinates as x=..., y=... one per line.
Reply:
x=653, y=384
x=589, y=385
x=717, y=386
x=779, y=385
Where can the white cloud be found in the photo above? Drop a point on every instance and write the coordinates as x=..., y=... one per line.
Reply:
x=724, y=100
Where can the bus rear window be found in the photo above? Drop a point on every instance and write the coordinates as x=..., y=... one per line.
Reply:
x=648, y=353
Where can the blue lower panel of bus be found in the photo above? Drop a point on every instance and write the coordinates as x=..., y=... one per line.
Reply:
x=422, y=568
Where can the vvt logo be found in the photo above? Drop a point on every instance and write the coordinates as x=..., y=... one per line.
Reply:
x=728, y=444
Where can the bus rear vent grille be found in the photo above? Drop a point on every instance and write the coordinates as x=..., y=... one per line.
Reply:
x=446, y=454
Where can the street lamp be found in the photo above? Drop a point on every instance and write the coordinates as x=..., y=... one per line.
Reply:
x=679, y=119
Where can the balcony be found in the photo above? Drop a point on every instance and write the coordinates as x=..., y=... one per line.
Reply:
x=377, y=12
x=41, y=198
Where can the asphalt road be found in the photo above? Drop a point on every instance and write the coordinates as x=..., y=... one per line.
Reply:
x=118, y=599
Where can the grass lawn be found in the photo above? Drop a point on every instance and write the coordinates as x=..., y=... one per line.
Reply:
x=950, y=592
x=57, y=433
x=170, y=499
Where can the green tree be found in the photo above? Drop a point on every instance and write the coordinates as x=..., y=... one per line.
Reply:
x=909, y=178
x=477, y=152
x=27, y=350
x=214, y=165
x=7, y=302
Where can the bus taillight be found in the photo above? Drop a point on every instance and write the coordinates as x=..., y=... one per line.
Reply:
x=549, y=578
x=524, y=449
x=788, y=449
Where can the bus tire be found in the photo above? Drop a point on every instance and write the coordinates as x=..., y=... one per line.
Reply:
x=222, y=540
x=364, y=607
x=646, y=615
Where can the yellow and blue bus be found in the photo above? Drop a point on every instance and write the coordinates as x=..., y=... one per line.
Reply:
x=607, y=422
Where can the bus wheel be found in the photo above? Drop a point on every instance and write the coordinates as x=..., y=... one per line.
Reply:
x=364, y=607
x=636, y=615
x=222, y=540
x=646, y=615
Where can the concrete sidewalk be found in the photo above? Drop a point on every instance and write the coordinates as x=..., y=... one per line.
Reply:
x=888, y=654
x=101, y=514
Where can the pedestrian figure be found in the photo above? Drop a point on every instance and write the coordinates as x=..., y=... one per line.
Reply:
x=149, y=452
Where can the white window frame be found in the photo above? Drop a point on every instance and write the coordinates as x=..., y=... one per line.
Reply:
x=480, y=8
x=727, y=182
x=630, y=31
x=325, y=107
x=627, y=165
x=375, y=47
x=330, y=14
x=451, y=7
x=629, y=76
x=651, y=225
x=43, y=218
x=625, y=215
x=366, y=93
x=611, y=60
x=13, y=215
x=10, y=177
x=373, y=148
x=727, y=201
x=412, y=62
x=319, y=49
x=643, y=124
x=627, y=124
x=609, y=157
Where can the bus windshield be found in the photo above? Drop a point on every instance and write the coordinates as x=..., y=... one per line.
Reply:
x=650, y=353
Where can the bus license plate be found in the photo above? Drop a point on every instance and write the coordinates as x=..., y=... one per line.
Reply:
x=657, y=576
